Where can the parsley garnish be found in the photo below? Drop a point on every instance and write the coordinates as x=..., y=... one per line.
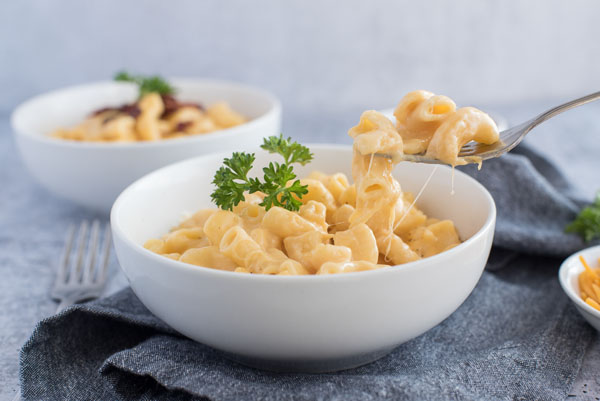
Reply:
x=147, y=84
x=232, y=179
x=587, y=223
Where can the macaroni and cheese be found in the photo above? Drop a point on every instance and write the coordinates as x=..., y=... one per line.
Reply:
x=341, y=226
x=152, y=118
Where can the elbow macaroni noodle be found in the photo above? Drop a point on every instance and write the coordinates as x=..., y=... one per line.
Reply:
x=340, y=227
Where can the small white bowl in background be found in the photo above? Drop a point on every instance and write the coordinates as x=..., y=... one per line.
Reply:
x=303, y=323
x=568, y=276
x=92, y=174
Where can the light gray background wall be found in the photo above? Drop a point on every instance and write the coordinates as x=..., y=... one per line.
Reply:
x=319, y=56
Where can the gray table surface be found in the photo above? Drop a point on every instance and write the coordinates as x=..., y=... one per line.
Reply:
x=33, y=223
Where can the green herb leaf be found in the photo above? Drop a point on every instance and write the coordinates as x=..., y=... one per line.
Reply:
x=125, y=76
x=587, y=223
x=292, y=152
x=292, y=195
x=231, y=180
x=278, y=192
x=150, y=84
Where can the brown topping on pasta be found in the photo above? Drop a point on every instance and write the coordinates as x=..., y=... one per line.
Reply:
x=131, y=109
x=172, y=105
x=152, y=117
x=102, y=110
x=182, y=126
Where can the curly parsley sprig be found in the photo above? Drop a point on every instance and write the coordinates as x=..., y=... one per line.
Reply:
x=587, y=223
x=147, y=84
x=292, y=152
x=231, y=180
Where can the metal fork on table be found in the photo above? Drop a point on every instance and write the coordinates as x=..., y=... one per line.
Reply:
x=509, y=138
x=81, y=273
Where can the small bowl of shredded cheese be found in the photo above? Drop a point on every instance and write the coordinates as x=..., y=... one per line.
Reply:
x=579, y=276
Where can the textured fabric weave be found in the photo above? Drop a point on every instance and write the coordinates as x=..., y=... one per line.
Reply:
x=516, y=337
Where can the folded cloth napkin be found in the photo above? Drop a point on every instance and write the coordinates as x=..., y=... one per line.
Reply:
x=516, y=337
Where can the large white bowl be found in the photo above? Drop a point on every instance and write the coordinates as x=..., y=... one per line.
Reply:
x=304, y=323
x=93, y=174
x=568, y=276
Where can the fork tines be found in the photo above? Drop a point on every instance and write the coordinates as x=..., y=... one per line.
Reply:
x=85, y=258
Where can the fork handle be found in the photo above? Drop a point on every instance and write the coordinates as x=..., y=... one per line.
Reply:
x=563, y=107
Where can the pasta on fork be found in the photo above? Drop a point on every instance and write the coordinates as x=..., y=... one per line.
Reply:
x=432, y=125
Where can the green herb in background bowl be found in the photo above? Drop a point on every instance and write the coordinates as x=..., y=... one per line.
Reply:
x=146, y=84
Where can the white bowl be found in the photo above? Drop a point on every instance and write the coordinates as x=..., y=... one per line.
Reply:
x=93, y=174
x=303, y=323
x=568, y=276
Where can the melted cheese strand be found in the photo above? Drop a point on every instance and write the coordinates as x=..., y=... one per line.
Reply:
x=370, y=163
x=388, y=238
x=416, y=197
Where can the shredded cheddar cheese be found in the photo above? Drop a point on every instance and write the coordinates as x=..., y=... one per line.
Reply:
x=589, y=284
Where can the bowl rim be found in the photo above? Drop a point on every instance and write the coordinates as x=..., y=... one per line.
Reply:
x=194, y=269
x=566, y=267
x=273, y=111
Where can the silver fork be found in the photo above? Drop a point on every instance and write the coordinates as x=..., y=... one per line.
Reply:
x=509, y=138
x=81, y=273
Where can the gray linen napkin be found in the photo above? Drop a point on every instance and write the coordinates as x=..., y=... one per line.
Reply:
x=516, y=337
